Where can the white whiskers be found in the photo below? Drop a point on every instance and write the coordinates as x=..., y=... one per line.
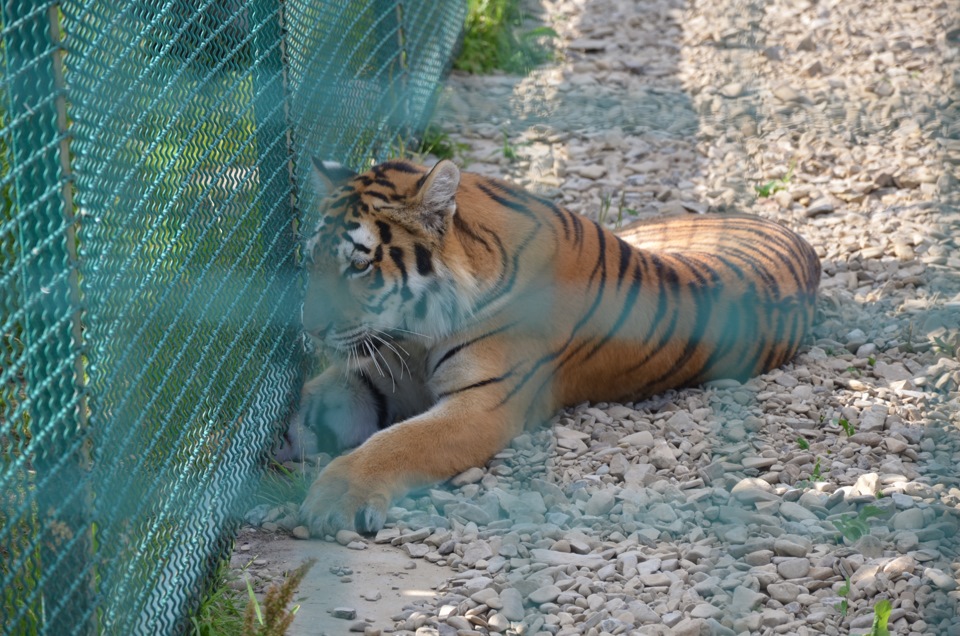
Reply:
x=372, y=351
x=414, y=333
x=393, y=346
x=365, y=343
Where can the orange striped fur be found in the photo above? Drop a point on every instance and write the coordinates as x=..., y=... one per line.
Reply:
x=461, y=309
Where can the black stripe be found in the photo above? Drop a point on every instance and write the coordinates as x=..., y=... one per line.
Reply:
x=516, y=206
x=557, y=212
x=602, y=254
x=346, y=200
x=397, y=166
x=461, y=226
x=396, y=253
x=424, y=264
x=357, y=246
x=703, y=305
x=771, y=356
x=457, y=348
x=507, y=280
x=730, y=337
x=625, y=312
x=378, y=195
x=380, y=401
x=577, y=228
x=475, y=385
x=386, y=183
x=385, y=233
x=663, y=304
x=787, y=246
x=700, y=271
x=601, y=267
x=625, y=253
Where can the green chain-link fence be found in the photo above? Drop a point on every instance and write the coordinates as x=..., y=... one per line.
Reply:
x=149, y=296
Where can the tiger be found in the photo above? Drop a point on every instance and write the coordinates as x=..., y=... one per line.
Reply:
x=458, y=310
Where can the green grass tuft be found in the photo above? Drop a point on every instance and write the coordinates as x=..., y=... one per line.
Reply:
x=493, y=39
x=221, y=610
x=437, y=142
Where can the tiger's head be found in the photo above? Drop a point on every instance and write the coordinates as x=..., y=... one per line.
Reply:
x=376, y=264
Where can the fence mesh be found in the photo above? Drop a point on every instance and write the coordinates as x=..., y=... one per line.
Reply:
x=150, y=299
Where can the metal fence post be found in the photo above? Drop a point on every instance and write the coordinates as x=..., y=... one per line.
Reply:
x=50, y=326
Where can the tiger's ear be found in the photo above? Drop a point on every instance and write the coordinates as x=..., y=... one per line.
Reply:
x=437, y=194
x=327, y=176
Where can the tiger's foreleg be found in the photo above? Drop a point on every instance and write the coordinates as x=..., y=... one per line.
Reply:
x=473, y=419
x=357, y=488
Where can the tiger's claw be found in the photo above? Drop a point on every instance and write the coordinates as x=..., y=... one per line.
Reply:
x=340, y=498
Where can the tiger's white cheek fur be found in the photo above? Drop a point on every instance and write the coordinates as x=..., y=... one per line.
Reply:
x=443, y=305
x=390, y=314
x=347, y=251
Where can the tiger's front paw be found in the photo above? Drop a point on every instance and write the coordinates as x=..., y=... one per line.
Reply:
x=344, y=497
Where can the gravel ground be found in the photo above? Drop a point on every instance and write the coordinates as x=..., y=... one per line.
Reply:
x=796, y=502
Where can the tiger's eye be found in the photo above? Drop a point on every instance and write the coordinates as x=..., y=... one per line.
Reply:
x=361, y=265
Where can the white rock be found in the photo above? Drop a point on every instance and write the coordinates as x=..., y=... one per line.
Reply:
x=475, y=552
x=796, y=512
x=662, y=455
x=545, y=594
x=301, y=532
x=469, y=476
x=640, y=439
x=594, y=171
x=940, y=579
x=498, y=623
x=910, y=519
x=689, y=627
x=732, y=90
x=752, y=489
x=663, y=512
x=866, y=484
x=416, y=550
x=903, y=564
x=512, y=602
x=486, y=596
x=345, y=537
x=561, y=558
x=705, y=610
x=599, y=503
x=793, y=568
x=784, y=592
x=745, y=600
x=792, y=546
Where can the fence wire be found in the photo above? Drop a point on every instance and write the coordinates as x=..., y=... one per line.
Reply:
x=149, y=297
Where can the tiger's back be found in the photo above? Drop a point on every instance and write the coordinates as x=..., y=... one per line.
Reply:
x=660, y=304
x=720, y=296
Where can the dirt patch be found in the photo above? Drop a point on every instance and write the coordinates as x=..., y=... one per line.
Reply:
x=341, y=578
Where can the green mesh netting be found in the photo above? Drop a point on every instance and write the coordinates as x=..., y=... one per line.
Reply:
x=149, y=297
